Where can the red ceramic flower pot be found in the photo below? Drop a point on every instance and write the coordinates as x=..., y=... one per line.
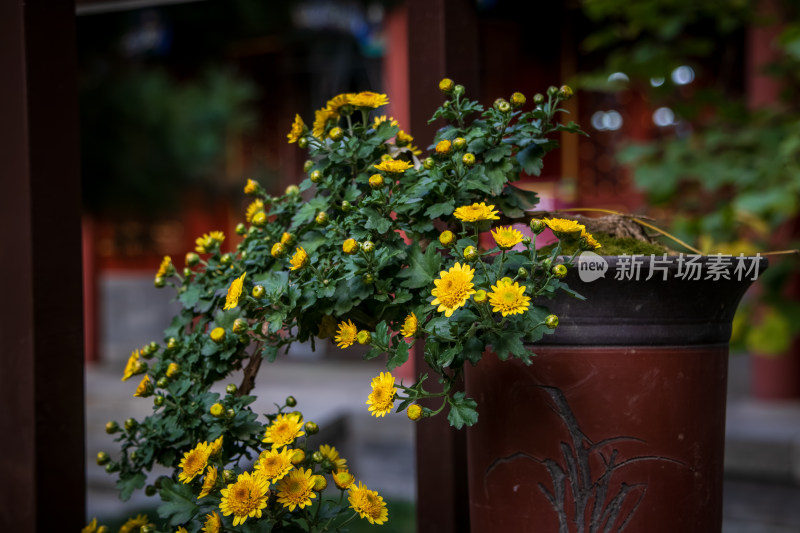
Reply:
x=619, y=423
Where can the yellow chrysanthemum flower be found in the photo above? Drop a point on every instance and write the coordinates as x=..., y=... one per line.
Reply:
x=234, y=292
x=209, y=482
x=476, y=212
x=173, y=369
x=213, y=523
x=145, y=387
x=130, y=366
x=368, y=504
x=369, y=99
x=296, y=489
x=409, y=326
x=507, y=237
x=209, y=241
x=215, y=447
x=381, y=119
x=283, y=430
x=165, y=269
x=453, y=289
x=321, y=119
x=245, y=498
x=331, y=454
x=346, y=335
x=251, y=187
x=563, y=227
x=299, y=259
x=393, y=166
x=403, y=138
x=287, y=238
x=297, y=130
x=381, y=399
x=443, y=147
x=350, y=246
x=508, y=297
x=274, y=464
x=133, y=524
x=590, y=240
x=91, y=527
x=339, y=101
x=181, y=530
x=194, y=462
x=256, y=206
x=343, y=479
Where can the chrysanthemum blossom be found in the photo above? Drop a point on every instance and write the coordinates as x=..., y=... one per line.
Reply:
x=299, y=259
x=453, y=288
x=591, y=242
x=165, y=269
x=321, y=119
x=563, y=227
x=381, y=119
x=346, y=335
x=215, y=447
x=297, y=129
x=209, y=482
x=476, y=212
x=245, y=498
x=393, y=166
x=145, y=388
x=369, y=99
x=283, y=430
x=343, y=479
x=507, y=237
x=368, y=504
x=508, y=298
x=134, y=524
x=193, y=463
x=130, y=366
x=213, y=523
x=256, y=206
x=251, y=187
x=381, y=399
x=339, y=101
x=409, y=326
x=91, y=527
x=234, y=292
x=209, y=241
x=332, y=454
x=296, y=489
x=274, y=464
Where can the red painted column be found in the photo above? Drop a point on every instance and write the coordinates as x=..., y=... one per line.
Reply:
x=41, y=331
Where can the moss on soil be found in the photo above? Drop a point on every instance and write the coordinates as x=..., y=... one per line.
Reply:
x=612, y=246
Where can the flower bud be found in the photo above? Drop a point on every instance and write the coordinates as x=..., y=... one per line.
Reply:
x=414, y=411
x=239, y=325
x=565, y=92
x=368, y=279
x=159, y=282
x=231, y=388
x=158, y=401
x=428, y=163
x=350, y=246
x=259, y=292
x=364, y=337
x=229, y=476
x=292, y=190
x=131, y=424
x=447, y=238
x=321, y=218
x=173, y=369
x=112, y=427
x=480, y=296
x=504, y=107
x=308, y=165
x=103, y=458
x=317, y=457
x=277, y=251
x=458, y=90
x=521, y=272
x=552, y=91
x=162, y=382
x=311, y=428
x=446, y=85
x=192, y=259
x=298, y=456
x=551, y=321
x=470, y=253
x=336, y=134
x=216, y=410
x=538, y=99
x=468, y=159
x=518, y=100
x=230, y=414
x=290, y=401
x=259, y=219
x=302, y=142
x=443, y=147
x=368, y=247
x=226, y=259
x=217, y=335
x=375, y=181
x=346, y=206
x=537, y=226
x=316, y=176
x=241, y=229
x=149, y=490
x=560, y=271
x=320, y=483
x=459, y=143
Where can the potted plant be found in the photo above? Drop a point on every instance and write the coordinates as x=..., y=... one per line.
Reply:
x=375, y=247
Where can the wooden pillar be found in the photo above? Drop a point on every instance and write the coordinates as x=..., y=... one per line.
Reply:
x=41, y=337
x=441, y=42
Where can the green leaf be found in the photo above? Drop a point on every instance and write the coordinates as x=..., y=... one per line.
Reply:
x=441, y=209
x=179, y=502
x=190, y=297
x=473, y=350
x=507, y=344
x=399, y=357
x=462, y=411
x=127, y=485
x=422, y=269
x=531, y=159
x=376, y=221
